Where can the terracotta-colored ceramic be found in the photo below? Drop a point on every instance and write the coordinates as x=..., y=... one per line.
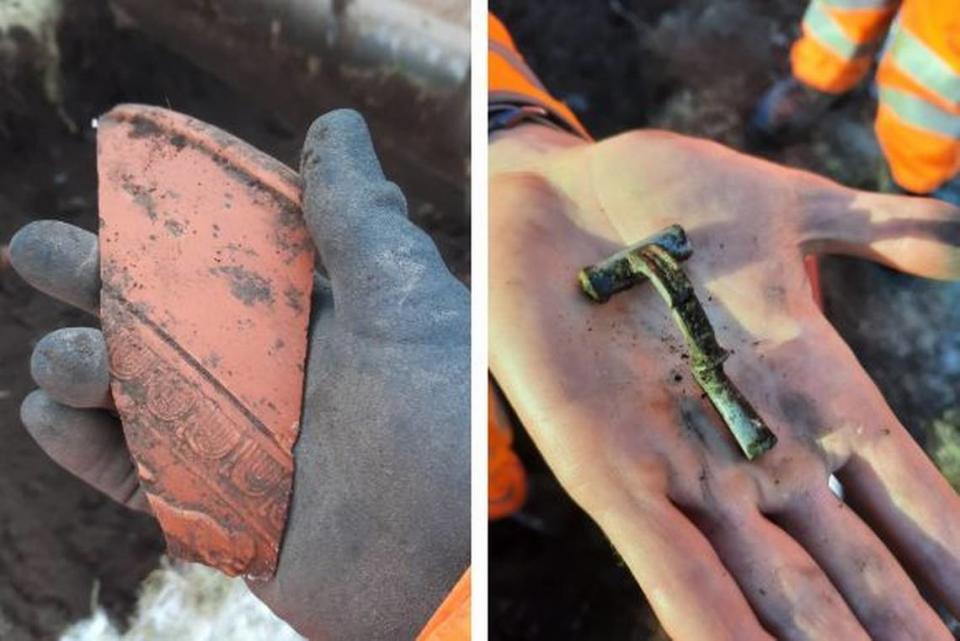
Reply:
x=207, y=274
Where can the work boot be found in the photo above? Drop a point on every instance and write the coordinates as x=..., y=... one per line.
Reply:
x=785, y=112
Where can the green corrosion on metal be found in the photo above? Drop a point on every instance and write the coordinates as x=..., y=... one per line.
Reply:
x=656, y=259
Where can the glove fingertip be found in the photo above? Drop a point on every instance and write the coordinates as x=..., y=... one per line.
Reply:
x=337, y=143
x=58, y=259
x=35, y=413
x=70, y=364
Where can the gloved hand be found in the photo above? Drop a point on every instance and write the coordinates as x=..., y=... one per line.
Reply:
x=378, y=529
x=723, y=548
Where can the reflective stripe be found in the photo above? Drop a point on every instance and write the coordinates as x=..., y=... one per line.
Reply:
x=919, y=113
x=861, y=4
x=823, y=27
x=923, y=64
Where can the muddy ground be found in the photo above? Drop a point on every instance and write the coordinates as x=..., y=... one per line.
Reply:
x=61, y=542
x=697, y=67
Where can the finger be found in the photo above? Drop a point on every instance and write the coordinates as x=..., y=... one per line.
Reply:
x=871, y=580
x=692, y=594
x=71, y=366
x=87, y=443
x=60, y=260
x=790, y=594
x=915, y=235
x=891, y=483
x=886, y=477
x=358, y=218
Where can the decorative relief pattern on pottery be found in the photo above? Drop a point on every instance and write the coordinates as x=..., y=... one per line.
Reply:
x=215, y=449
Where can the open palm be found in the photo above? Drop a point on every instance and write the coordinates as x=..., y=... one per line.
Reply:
x=723, y=548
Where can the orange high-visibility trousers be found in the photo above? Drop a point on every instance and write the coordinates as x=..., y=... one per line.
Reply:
x=918, y=118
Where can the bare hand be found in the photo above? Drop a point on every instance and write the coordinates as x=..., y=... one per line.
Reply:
x=723, y=548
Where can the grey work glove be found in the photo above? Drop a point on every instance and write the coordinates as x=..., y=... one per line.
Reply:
x=378, y=530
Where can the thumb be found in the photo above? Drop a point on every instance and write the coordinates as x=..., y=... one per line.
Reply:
x=919, y=236
x=358, y=219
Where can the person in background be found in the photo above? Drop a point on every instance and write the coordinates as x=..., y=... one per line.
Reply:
x=918, y=84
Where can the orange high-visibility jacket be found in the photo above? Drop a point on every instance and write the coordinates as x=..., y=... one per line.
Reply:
x=918, y=119
x=509, y=79
x=451, y=621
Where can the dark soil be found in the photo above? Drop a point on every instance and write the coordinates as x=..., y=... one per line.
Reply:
x=697, y=67
x=58, y=538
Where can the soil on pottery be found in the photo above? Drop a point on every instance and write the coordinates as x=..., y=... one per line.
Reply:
x=61, y=543
x=697, y=67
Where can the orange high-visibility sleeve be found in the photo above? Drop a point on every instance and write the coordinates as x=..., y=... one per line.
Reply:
x=451, y=621
x=510, y=80
x=918, y=120
x=506, y=478
x=839, y=40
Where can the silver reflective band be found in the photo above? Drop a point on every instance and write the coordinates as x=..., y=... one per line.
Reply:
x=919, y=113
x=862, y=4
x=818, y=23
x=923, y=64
